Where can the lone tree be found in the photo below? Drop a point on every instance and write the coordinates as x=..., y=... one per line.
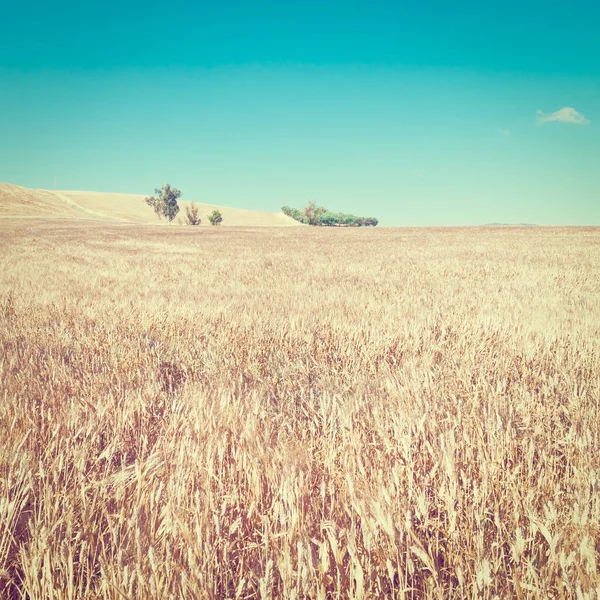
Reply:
x=164, y=202
x=215, y=218
x=191, y=214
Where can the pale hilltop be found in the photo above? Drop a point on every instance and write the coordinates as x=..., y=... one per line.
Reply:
x=22, y=202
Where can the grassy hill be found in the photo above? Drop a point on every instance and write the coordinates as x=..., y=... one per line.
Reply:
x=21, y=202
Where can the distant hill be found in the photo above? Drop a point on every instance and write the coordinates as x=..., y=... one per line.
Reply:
x=22, y=202
x=510, y=225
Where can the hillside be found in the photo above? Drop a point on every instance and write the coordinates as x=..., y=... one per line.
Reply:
x=17, y=201
x=22, y=202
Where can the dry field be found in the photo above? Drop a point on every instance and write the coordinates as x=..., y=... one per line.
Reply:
x=298, y=413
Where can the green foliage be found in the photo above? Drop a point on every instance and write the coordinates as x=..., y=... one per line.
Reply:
x=164, y=202
x=191, y=214
x=320, y=216
x=313, y=213
x=295, y=214
x=328, y=220
x=215, y=218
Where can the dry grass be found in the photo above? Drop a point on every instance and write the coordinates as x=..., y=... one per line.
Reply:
x=298, y=413
x=17, y=201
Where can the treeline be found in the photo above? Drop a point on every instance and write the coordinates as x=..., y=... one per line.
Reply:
x=320, y=216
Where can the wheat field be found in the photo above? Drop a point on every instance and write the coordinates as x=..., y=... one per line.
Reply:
x=298, y=413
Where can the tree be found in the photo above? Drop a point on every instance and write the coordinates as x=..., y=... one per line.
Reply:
x=314, y=213
x=191, y=214
x=215, y=218
x=164, y=202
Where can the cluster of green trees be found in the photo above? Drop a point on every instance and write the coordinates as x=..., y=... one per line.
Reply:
x=164, y=203
x=320, y=216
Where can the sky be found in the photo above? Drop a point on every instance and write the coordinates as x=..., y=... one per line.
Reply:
x=419, y=114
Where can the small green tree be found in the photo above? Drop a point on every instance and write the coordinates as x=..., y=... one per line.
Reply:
x=191, y=214
x=164, y=202
x=215, y=218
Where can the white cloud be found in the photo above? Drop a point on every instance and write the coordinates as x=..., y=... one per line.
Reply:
x=504, y=131
x=564, y=115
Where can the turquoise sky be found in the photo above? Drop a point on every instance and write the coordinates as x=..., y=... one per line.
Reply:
x=418, y=114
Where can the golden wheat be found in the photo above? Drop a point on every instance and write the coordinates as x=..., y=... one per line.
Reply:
x=298, y=413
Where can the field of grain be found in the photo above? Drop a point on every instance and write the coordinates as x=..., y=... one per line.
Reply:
x=298, y=413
